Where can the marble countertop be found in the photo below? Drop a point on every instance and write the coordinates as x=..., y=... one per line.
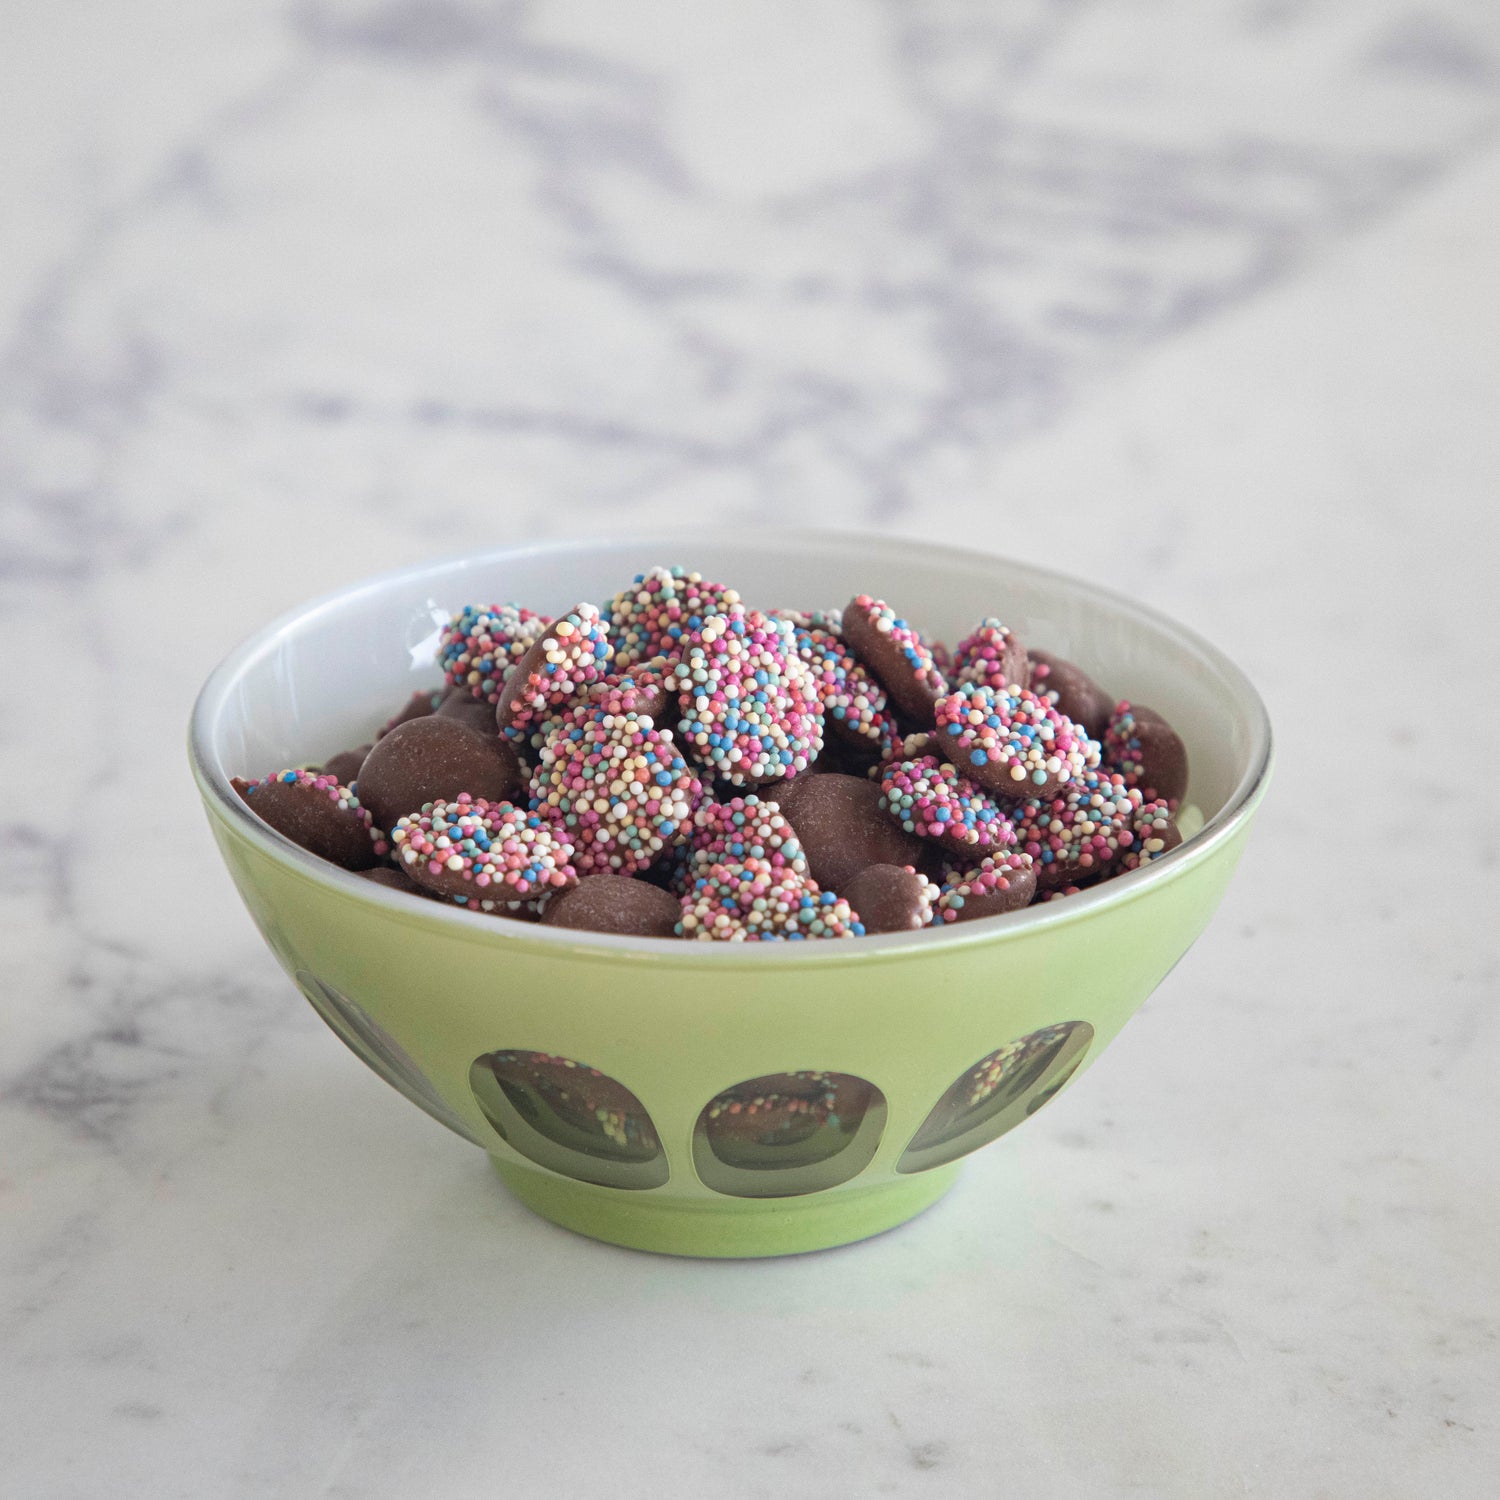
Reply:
x=1197, y=300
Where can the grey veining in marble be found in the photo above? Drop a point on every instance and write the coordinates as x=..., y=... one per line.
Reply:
x=1199, y=300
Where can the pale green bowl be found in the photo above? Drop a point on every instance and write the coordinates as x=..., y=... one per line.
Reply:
x=425, y=994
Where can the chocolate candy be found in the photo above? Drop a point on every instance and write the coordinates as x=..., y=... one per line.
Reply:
x=842, y=828
x=644, y=690
x=423, y=702
x=752, y=901
x=482, y=643
x=891, y=898
x=655, y=615
x=484, y=854
x=1147, y=752
x=1013, y=743
x=393, y=879
x=615, y=903
x=750, y=708
x=846, y=758
x=1071, y=691
x=829, y=620
x=396, y=879
x=619, y=788
x=1082, y=833
x=998, y=884
x=432, y=760
x=1156, y=833
x=883, y=764
x=744, y=828
x=1057, y=893
x=928, y=797
x=314, y=811
x=992, y=657
x=897, y=655
x=461, y=705
x=344, y=767
x=855, y=706
x=566, y=660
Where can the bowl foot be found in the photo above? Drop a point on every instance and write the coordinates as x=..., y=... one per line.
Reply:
x=731, y=1227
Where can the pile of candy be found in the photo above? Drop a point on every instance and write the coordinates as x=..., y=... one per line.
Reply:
x=674, y=763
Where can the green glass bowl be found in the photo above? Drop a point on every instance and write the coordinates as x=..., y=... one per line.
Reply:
x=936, y=1042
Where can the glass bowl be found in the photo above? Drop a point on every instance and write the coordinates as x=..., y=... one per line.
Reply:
x=715, y=1098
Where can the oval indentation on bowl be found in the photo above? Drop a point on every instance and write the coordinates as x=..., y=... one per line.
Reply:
x=378, y=1050
x=1000, y=1091
x=786, y=1134
x=569, y=1118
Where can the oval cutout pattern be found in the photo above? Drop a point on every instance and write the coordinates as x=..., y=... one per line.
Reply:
x=378, y=1050
x=786, y=1134
x=997, y=1094
x=569, y=1118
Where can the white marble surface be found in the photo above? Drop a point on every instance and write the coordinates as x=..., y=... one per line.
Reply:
x=1197, y=299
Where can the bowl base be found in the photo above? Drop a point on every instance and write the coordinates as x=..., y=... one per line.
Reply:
x=735, y=1228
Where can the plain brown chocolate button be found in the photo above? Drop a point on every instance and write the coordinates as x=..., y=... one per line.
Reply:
x=615, y=903
x=432, y=760
x=842, y=827
x=887, y=898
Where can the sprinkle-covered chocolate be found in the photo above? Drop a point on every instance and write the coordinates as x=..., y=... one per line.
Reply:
x=317, y=812
x=1012, y=742
x=1156, y=833
x=897, y=655
x=483, y=642
x=619, y=787
x=1147, y=752
x=830, y=621
x=1081, y=834
x=999, y=883
x=751, y=711
x=992, y=657
x=660, y=610
x=744, y=828
x=855, y=706
x=717, y=772
x=914, y=746
x=752, y=901
x=646, y=689
x=566, y=660
x=484, y=854
x=929, y=798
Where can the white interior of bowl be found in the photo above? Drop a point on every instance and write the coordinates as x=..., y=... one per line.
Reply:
x=324, y=678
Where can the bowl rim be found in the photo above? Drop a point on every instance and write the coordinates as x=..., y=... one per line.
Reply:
x=213, y=781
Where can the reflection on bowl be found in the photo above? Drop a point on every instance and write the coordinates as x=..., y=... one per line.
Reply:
x=786, y=1134
x=997, y=1093
x=721, y=1099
